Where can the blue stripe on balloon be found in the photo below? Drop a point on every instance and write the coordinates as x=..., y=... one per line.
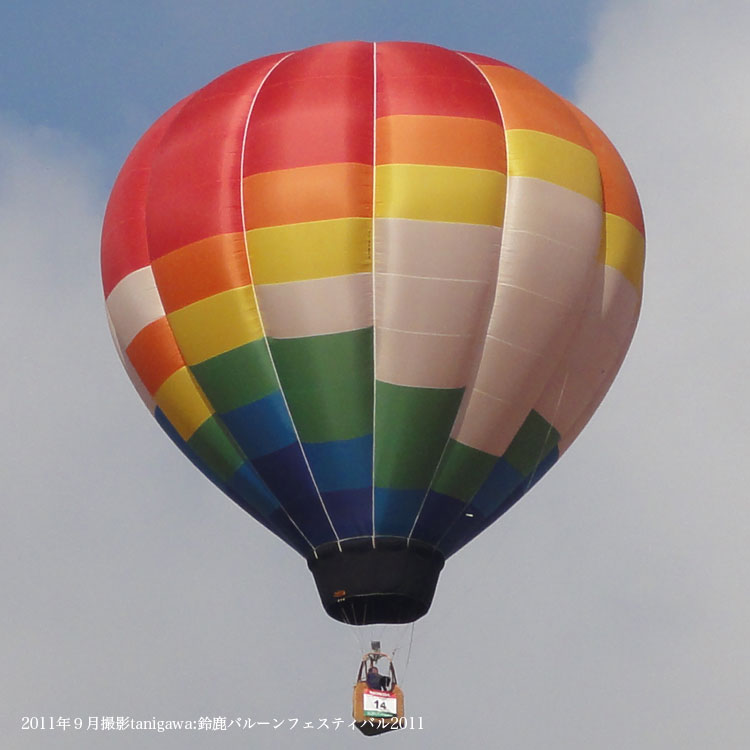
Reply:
x=466, y=527
x=350, y=511
x=261, y=427
x=288, y=477
x=286, y=530
x=395, y=511
x=166, y=425
x=248, y=485
x=437, y=514
x=496, y=496
x=247, y=490
x=544, y=466
x=501, y=482
x=342, y=464
x=243, y=490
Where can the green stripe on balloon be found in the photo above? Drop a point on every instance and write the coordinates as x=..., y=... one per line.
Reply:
x=532, y=443
x=412, y=426
x=462, y=471
x=237, y=377
x=327, y=383
x=216, y=449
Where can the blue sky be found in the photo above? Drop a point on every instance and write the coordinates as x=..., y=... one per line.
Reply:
x=105, y=71
x=608, y=609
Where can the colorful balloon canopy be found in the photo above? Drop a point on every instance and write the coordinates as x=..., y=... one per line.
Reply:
x=373, y=291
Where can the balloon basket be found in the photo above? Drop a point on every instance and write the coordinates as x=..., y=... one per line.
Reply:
x=377, y=711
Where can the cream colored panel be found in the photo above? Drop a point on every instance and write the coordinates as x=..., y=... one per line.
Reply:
x=130, y=370
x=491, y=415
x=548, y=210
x=528, y=320
x=436, y=249
x=485, y=419
x=317, y=306
x=434, y=286
x=508, y=369
x=547, y=262
x=429, y=305
x=422, y=360
x=595, y=354
x=133, y=304
x=544, y=264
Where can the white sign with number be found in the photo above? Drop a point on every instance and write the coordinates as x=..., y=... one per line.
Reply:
x=380, y=704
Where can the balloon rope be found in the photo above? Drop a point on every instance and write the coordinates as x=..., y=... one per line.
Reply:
x=401, y=631
x=408, y=653
x=346, y=619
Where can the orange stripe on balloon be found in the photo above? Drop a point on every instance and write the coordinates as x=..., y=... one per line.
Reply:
x=291, y=196
x=154, y=354
x=528, y=105
x=441, y=141
x=619, y=193
x=201, y=269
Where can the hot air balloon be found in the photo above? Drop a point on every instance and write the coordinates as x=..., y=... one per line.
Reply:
x=373, y=292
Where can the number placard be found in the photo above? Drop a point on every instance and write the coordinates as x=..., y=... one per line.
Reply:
x=379, y=704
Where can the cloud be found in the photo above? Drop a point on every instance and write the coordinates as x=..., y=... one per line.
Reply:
x=49, y=218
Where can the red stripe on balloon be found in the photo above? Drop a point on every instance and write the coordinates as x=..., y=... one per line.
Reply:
x=195, y=188
x=420, y=79
x=124, y=242
x=315, y=108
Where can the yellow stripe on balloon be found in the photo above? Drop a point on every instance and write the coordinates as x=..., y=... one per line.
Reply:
x=183, y=403
x=446, y=194
x=310, y=250
x=216, y=324
x=532, y=153
x=624, y=249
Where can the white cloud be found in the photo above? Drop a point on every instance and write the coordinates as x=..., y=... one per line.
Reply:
x=48, y=224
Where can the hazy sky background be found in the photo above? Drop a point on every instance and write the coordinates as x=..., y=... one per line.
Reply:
x=609, y=609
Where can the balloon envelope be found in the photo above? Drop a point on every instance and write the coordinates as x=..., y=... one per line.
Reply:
x=373, y=291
